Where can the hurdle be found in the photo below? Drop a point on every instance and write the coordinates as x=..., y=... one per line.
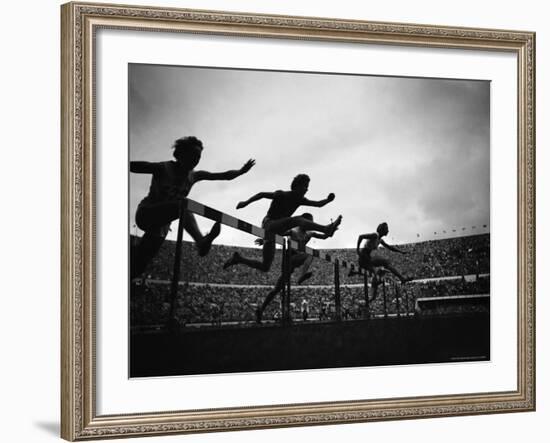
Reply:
x=392, y=292
x=337, y=299
x=286, y=273
x=384, y=295
x=397, y=294
x=176, y=271
x=366, y=314
x=205, y=211
x=241, y=225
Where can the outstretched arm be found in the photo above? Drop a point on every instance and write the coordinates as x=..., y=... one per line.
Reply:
x=254, y=198
x=227, y=175
x=144, y=167
x=318, y=203
x=391, y=248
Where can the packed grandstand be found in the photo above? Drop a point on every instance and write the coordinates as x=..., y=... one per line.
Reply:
x=209, y=295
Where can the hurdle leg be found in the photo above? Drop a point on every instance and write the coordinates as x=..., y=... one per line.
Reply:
x=176, y=271
x=337, y=300
x=283, y=290
x=384, y=295
x=287, y=279
x=375, y=286
x=397, y=299
x=285, y=272
x=366, y=314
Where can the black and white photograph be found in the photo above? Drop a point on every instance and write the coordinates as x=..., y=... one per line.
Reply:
x=306, y=220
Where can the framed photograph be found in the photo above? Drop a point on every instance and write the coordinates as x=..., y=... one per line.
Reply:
x=283, y=221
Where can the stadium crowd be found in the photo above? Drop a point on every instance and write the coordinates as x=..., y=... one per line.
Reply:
x=213, y=305
x=430, y=259
x=203, y=302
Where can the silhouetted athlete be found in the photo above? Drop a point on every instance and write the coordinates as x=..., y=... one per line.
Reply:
x=368, y=260
x=279, y=219
x=171, y=182
x=298, y=258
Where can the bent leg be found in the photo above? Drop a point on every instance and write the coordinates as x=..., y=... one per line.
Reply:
x=191, y=226
x=203, y=243
x=297, y=260
x=306, y=264
x=160, y=214
x=306, y=274
x=156, y=216
x=268, y=254
x=385, y=263
x=278, y=287
x=144, y=252
x=287, y=223
x=363, y=264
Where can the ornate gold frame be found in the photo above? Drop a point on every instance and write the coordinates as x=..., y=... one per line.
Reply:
x=79, y=420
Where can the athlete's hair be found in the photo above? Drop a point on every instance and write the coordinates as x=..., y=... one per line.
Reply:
x=300, y=179
x=183, y=144
x=308, y=216
x=382, y=226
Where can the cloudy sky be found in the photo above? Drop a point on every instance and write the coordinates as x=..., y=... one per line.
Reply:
x=412, y=152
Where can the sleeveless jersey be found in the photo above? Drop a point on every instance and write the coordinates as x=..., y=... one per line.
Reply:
x=284, y=204
x=168, y=184
x=371, y=244
x=300, y=236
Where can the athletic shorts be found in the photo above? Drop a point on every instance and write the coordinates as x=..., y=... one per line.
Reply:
x=298, y=257
x=145, y=220
x=365, y=262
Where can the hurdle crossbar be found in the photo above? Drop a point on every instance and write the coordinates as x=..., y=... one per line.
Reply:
x=241, y=225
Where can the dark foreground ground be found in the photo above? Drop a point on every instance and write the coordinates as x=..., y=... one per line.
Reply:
x=375, y=342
